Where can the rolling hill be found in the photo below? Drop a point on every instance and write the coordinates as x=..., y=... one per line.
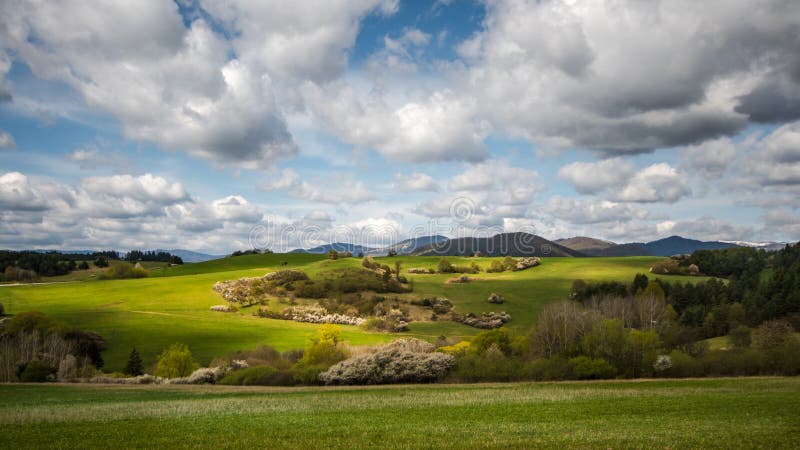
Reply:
x=505, y=244
x=673, y=245
x=337, y=246
x=676, y=245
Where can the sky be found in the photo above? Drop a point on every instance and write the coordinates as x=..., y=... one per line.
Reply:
x=217, y=125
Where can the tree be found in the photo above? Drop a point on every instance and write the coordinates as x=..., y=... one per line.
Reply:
x=134, y=366
x=325, y=348
x=445, y=266
x=101, y=262
x=175, y=362
x=397, y=267
x=739, y=337
x=333, y=254
x=83, y=265
x=392, y=253
x=2, y=310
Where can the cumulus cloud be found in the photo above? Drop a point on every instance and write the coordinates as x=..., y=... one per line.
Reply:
x=415, y=182
x=6, y=140
x=440, y=127
x=626, y=77
x=711, y=158
x=346, y=191
x=121, y=211
x=591, y=178
x=775, y=161
x=584, y=211
x=656, y=183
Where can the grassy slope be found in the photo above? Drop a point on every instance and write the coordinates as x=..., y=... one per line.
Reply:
x=710, y=413
x=152, y=313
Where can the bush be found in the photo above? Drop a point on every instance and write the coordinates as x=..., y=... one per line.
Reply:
x=496, y=266
x=497, y=299
x=739, y=337
x=259, y=376
x=28, y=321
x=37, y=372
x=585, y=368
x=123, y=270
x=772, y=334
x=2, y=310
x=445, y=266
x=490, y=366
x=176, y=362
x=402, y=361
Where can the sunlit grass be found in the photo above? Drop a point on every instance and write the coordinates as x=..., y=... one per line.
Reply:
x=173, y=304
x=709, y=413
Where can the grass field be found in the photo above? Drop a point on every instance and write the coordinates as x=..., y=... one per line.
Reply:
x=172, y=305
x=709, y=413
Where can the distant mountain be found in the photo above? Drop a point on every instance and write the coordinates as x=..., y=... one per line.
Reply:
x=189, y=256
x=355, y=249
x=506, y=244
x=677, y=245
x=583, y=243
x=408, y=246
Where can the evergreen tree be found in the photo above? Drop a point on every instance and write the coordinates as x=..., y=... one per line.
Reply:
x=134, y=366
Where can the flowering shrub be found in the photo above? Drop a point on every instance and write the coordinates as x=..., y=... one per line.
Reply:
x=141, y=379
x=526, y=262
x=496, y=298
x=402, y=361
x=317, y=314
x=203, y=375
x=420, y=271
x=663, y=363
x=223, y=308
x=487, y=320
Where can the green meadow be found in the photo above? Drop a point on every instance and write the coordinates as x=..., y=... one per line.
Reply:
x=707, y=413
x=172, y=304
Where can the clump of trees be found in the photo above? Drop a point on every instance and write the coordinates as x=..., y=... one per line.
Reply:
x=445, y=266
x=35, y=347
x=158, y=256
x=122, y=270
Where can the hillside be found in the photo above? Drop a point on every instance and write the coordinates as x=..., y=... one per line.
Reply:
x=152, y=313
x=505, y=244
x=677, y=245
x=408, y=246
x=337, y=246
x=584, y=244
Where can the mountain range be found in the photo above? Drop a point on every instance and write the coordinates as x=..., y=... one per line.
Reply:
x=524, y=244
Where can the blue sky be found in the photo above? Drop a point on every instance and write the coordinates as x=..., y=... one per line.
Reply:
x=192, y=124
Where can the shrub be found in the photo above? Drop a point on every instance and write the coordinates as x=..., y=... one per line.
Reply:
x=259, y=376
x=403, y=361
x=325, y=348
x=496, y=299
x=772, y=334
x=667, y=267
x=2, y=310
x=739, y=337
x=458, y=349
x=496, y=266
x=37, y=372
x=123, y=270
x=445, y=266
x=662, y=364
x=490, y=366
x=556, y=368
x=487, y=320
x=176, y=362
x=585, y=368
x=28, y=321
x=203, y=375
x=223, y=308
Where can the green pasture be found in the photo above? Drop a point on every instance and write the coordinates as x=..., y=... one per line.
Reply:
x=172, y=305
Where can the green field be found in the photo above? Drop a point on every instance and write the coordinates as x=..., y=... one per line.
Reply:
x=172, y=305
x=709, y=413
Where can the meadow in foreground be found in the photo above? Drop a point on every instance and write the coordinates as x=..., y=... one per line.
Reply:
x=709, y=413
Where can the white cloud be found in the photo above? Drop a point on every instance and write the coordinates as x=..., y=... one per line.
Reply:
x=711, y=158
x=415, y=182
x=628, y=77
x=584, y=211
x=441, y=127
x=656, y=183
x=346, y=191
x=6, y=140
x=591, y=178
